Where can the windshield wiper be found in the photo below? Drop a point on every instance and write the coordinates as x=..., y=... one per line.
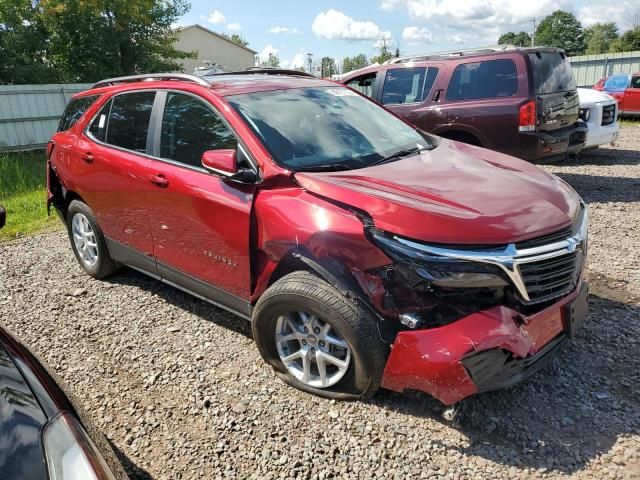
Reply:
x=329, y=167
x=398, y=155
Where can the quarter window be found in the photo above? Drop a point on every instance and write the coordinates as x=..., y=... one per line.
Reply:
x=490, y=79
x=98, y=128
x=408, y=85
x=189, y=128
x=129, y=120
x=74, y=111
x=363, y=84
x=635, y=82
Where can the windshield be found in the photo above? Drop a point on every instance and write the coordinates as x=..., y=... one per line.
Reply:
x=551, y=73
x=326, y=128
x=617, y=83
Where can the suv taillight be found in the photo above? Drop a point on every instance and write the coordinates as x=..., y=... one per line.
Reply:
x=527, y=117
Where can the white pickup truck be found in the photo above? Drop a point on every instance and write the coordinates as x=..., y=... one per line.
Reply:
x=600, y=112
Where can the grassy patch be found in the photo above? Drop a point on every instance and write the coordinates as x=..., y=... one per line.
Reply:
x=23, y=193
x=629, y=121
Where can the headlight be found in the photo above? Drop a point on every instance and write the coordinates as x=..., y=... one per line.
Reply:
x=70, y=453
x=585, y=114
x=442, y=271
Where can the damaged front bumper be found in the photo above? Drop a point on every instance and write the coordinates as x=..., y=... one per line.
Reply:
x=488, y=350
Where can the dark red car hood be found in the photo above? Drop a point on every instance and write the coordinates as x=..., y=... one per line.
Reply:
x=455, y=193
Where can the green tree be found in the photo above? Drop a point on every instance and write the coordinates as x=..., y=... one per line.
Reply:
x=600, y=36
x=23, y=45
x=236, y=38
x=327, y=67
x=563, y=30
x=385, y=52
x=272, y=61
x=522, y=39
x=85, y=40
x=354, y=63
x=629, y=41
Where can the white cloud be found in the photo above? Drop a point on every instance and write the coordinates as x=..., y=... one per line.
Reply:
x=333, y=24
x=417, y=35
x=215, y=17
x=264, y=53
x=622, y=13
x=234, y=26
x=278, y=30
x=454, y=38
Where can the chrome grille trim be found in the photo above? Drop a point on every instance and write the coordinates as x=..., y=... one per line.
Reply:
x=509, y=258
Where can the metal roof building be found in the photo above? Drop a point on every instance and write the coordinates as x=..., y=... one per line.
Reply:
x=212, y=47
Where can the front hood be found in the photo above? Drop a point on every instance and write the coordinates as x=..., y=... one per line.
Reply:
x=455, y=193
x=589, y=97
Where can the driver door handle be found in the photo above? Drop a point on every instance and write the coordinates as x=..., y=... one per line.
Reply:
x=159, y=180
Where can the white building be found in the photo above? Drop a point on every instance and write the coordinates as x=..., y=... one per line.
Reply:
x=211, y=48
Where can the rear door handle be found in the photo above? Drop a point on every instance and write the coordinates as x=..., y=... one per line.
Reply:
x=159, y=180
x=88, y=157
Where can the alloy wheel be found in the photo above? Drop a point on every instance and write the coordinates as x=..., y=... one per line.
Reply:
x=84, y=238
x=311, y=349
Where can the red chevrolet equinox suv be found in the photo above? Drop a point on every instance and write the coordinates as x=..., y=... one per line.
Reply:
x=364, y=252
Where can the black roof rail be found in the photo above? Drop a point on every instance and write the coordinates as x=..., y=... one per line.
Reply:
x=147, y=77
x=266, y=71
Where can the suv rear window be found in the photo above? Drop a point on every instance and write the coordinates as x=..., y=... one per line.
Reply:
x=551, y=73
x=74, y=111
x=488, y=79
x=129, y=120
x=407, y=85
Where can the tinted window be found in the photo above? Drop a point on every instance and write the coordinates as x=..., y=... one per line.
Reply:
x=325, y=128
x=616, y=83
x=363, y=84
x=551, y=73
x=635, y=82
x=190, y=128
x=129, y=120
x=408, y=85
x=490, y=79
x=98, y=128
x=74, y=111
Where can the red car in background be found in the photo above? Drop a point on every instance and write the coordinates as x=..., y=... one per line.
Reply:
x=364, y=251
x=625, y=88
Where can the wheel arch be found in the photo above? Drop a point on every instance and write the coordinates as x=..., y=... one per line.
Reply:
x=461, y=134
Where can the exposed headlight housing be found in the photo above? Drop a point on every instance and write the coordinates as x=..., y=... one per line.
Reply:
x=442, y=271
x=70, y=453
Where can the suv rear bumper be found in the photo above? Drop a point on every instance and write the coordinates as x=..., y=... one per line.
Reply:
x=553, y=145
x=487, y=350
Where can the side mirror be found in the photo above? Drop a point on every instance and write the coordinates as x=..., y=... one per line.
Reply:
x=3, y=216
x=223, y=162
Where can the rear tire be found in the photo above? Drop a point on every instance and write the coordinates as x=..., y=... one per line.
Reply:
x=341, y=338
x=88, y=242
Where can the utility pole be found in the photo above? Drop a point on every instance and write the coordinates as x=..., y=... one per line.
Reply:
x=533, y=35
x=310, y=61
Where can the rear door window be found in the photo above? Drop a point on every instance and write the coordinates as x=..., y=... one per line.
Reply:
x=129, y=120
x=363, y=84
x=551, y=73
x=488, y=79
x=190, y=127
x=74, y=111
x=407, y=85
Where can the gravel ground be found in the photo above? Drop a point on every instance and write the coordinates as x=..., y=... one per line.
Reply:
x=180, y=389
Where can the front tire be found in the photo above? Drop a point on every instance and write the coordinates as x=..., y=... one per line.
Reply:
x=318, y=340
x=88, y=242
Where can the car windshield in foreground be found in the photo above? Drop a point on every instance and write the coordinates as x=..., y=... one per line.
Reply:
x=326, y=128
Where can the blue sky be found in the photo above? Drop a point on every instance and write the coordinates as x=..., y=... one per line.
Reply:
x=290, y=29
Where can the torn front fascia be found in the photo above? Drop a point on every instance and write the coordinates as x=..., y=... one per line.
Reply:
x=424, y=291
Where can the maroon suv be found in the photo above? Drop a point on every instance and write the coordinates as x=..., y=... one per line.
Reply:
x=363, y=251
x=518, y=101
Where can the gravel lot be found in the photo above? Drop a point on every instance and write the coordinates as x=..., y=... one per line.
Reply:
x=179, y=388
